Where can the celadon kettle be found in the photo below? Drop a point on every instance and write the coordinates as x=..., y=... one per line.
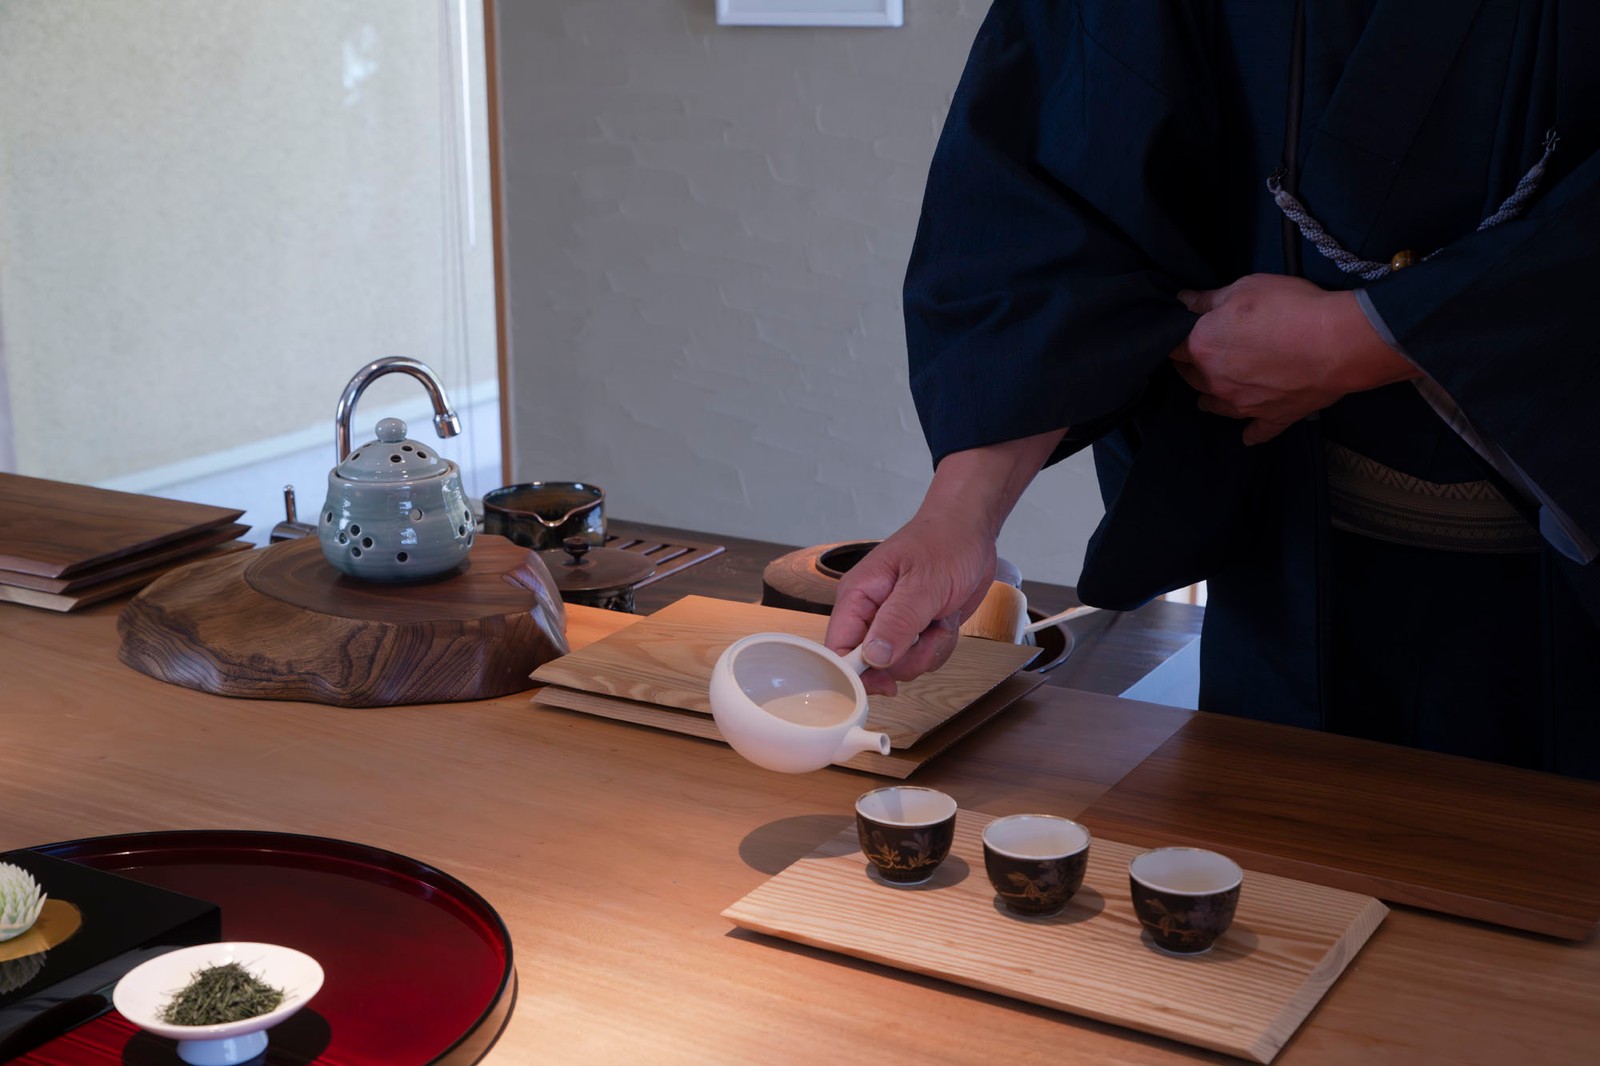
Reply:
x=395, y=510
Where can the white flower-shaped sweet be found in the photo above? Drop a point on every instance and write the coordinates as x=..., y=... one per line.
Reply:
x=20, y=901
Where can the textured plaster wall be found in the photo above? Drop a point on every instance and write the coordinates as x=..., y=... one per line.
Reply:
x=707, y=229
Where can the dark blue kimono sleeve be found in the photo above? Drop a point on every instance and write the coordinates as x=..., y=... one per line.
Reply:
x=1068, y=195
x=1504, y=322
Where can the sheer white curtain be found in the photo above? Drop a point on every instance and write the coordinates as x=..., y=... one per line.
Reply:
x=213, y=212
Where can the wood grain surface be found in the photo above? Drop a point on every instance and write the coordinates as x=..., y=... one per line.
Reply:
x=57, y=529
x=1246, y=996
x=667, y=660
x=282, y=624
x=1468, y=838
x=899, y=763
x=94, y=592
x=153, y=561
x=611, y=851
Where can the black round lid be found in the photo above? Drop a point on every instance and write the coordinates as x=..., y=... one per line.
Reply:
x=579, y=567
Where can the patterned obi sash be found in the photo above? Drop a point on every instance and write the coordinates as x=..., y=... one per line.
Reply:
x=1373, y=500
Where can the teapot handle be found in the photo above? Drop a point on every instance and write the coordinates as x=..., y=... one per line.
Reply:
x=858, y=662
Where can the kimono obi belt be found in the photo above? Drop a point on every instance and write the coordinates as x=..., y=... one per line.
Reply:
x=1372, y=500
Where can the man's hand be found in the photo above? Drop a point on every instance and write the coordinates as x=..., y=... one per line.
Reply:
x=905, y=601
x=1272, y=349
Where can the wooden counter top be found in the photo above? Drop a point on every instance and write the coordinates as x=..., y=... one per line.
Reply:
x=610, y=851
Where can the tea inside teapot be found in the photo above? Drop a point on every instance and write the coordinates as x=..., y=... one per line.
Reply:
x=790, y=704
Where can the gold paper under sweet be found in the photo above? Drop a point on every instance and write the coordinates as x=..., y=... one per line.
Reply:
x=58, y=921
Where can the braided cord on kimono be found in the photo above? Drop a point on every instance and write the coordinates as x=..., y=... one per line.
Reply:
x=1371, y=269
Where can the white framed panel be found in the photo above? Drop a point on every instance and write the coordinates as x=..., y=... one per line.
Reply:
x=810, y=12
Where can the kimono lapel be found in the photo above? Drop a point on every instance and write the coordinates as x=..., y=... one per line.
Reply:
x=1380, y=102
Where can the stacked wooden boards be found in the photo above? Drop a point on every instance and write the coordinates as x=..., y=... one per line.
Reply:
x=657, y=672
x=1246, y=996
x=63, y=546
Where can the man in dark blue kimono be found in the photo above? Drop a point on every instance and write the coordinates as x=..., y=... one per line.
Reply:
x=1315, y=282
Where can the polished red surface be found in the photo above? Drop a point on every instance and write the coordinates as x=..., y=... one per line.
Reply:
x=418, y=966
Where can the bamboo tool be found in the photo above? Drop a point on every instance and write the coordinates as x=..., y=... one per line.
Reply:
x=1060, y=616
x=1003, y=616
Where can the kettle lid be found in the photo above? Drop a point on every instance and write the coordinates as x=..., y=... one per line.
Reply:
x=392, y=457
x=579, y=567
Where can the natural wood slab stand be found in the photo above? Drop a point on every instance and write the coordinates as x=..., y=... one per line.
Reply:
x=281, y=623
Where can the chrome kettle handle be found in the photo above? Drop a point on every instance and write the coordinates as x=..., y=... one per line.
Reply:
x=445, y=420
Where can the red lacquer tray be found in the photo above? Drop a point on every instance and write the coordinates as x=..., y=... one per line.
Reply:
x=417, y=965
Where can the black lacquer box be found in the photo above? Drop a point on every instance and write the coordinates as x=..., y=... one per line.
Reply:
x=95, y=927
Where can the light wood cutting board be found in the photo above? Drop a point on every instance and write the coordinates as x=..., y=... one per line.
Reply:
x=667, y=659
x=56, y=529
x=1246, y=997
x=899, y=763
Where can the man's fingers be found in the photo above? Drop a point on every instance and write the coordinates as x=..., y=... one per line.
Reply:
x=932, y=647
x=1199, y=301
x=897, y=626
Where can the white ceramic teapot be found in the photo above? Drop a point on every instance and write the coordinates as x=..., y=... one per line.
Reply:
x=789, y=704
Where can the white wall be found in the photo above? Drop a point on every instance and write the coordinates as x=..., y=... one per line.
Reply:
x=706, y=232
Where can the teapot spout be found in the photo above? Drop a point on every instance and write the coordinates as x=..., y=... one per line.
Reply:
x=859, y=740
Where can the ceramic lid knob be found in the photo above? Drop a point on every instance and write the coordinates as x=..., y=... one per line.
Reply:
x=391, y=430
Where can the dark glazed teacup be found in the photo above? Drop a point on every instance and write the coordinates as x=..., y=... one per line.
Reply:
x=1184, y=897
x=1035, y=861
x=905, y=831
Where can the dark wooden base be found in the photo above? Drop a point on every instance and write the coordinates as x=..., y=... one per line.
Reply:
x=281, y=623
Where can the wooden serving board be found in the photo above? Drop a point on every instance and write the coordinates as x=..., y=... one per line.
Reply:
x=56, y=529
x=1406, y=826
x=899, y=763
x=667, y=660
x=281, y=623
x=1246, y=997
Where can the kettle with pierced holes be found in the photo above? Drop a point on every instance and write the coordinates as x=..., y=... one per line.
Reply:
x=395, y=509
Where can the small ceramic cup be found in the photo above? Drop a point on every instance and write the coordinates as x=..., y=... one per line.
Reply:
x=905, y=831
x=1184, y=897
x=1035, y=861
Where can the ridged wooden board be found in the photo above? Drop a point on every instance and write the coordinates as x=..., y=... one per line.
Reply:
x=93, y=592
x=1246, y=997
x=899, y=763
x=282, y=624
x=667, y=660
x=151, y=562
x=57, y=529
x=1406, y=826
